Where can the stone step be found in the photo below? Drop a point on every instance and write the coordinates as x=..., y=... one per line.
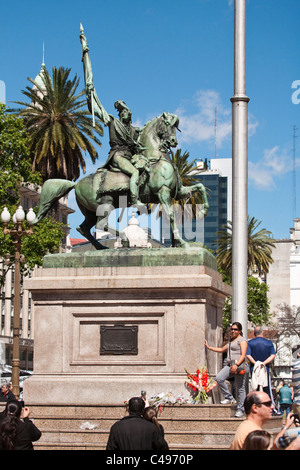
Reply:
x=186, y=440
x=117, y=412
x=89, y=446
x=98, y=436
x=96, y=440
x=180, y=424
x=187, y=427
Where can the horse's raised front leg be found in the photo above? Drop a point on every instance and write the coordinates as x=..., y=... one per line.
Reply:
x=165, y=200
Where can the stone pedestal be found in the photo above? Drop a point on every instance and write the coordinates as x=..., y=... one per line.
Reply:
x=172, y=297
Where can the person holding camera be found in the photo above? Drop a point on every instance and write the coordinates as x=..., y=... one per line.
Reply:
x=289, y=437
x=133, y=432
x=259, y=408
x=235, y=367
x=17, y=431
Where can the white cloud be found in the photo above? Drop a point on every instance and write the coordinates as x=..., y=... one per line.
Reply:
x=260, y=176
x=199, y=126
x=274, y=164
x=252, y=125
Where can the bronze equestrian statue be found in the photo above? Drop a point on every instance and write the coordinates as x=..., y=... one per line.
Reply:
x=138, y=166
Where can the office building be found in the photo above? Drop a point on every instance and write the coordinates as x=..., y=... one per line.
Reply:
x=216, y=176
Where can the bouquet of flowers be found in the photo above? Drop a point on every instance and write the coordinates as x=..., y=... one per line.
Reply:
x=200, y=384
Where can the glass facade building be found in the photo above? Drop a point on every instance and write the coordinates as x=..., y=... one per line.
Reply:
x=217, y=181
x=216, y=188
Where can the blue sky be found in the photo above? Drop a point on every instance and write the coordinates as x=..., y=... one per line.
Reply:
x=177, y=56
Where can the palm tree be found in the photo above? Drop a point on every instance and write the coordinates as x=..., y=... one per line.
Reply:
x=184, y=167
x=260, y=246
x=187, y=171
x=60, y=130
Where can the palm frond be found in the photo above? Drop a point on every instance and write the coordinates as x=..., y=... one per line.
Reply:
x=260, y=246
x=59, y=124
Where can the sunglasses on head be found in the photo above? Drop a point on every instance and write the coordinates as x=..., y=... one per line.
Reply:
x=267, y=403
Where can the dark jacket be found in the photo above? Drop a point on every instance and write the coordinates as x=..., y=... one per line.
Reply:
x=135, y=433
x=7, y=397
x=27, y=433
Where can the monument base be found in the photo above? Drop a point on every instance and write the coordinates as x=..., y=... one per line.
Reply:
x=103, y=333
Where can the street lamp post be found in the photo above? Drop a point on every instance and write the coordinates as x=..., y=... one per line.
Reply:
x=17, y=233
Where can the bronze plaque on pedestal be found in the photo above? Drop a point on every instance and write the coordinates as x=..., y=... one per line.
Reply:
x=118, y=339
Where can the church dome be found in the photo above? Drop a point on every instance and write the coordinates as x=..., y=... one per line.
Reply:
x=39, y=79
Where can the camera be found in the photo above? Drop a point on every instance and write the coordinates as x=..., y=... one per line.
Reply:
x=285, y=440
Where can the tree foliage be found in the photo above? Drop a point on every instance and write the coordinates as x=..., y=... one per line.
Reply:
x=60, y=130
x=187, y=171
x=260, y=246
x=258, y=304
x=288, y=323
x=15, y=171
x=286, y=333
x=15, y=165
x=185, y=167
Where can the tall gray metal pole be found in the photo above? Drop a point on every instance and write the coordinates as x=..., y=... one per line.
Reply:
x=240, y=171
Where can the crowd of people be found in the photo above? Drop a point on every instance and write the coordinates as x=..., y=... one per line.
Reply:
x=255, y=356
x=140, y=429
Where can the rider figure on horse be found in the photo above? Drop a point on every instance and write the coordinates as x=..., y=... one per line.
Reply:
x=124, y=148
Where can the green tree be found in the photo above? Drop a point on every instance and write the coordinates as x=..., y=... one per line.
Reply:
x=60, y=130
x=258, y=304
x=15, y=165
x=187, y=171
x=185, y=168
x=260, y=246
x=287, y=332
x=46, y=238
x=15, y=171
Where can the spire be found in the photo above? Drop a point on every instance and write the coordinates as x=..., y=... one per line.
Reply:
x=39, y=78
x=43, y=63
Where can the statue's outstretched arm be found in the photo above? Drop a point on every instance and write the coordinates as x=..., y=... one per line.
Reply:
x=93, y=101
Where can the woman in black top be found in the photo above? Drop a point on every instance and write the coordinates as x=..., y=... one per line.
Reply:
x=17, y=433
x=150, y=414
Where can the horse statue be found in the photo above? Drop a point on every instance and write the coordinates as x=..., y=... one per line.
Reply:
x=99, y=193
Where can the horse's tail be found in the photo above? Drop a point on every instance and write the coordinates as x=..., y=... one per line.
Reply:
x=52, y=191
